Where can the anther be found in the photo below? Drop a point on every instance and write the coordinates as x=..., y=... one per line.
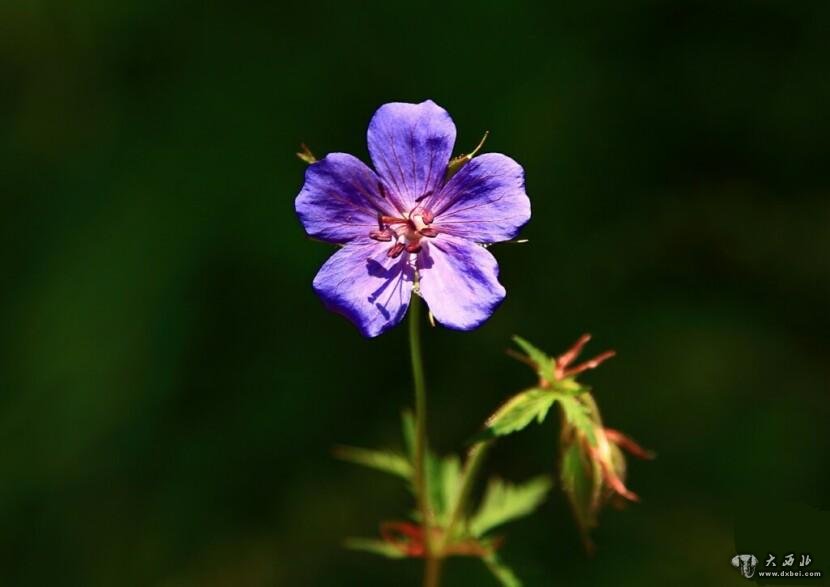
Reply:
x=413, y=247
x=396, y=250
x=384, y=235
x=429, y=232
x=427, y=217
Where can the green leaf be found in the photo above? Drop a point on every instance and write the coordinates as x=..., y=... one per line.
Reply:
x=504, y=575
x=451, y=481
x=381, y=460
x=578, y=415
x=581, y=482
x=434, y=477
x=545, y=366
x=374, y=546
x=504, y=502
x=444, y=483
x=570, y=386
x=443, y=475
x=519, y=411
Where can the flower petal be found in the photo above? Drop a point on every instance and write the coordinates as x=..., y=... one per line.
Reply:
x=459, y=281
x=340, y=199
x=410, y=146
x=484, y=202
x=366, y=286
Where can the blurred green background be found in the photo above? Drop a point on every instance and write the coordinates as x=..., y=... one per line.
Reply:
x=171, y=388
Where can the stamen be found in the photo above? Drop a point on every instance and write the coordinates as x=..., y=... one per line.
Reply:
x=418, y=222
x=396, y=250
x=429, y=232
x=413, y=247
x=427, y=216
x=384, y=235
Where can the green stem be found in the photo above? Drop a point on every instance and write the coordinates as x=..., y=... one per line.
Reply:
x=474, y=460
x=432, y=572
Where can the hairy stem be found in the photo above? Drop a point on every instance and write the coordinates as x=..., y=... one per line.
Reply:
x=432, y=572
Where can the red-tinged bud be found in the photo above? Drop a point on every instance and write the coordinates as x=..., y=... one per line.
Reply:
x=609, y=474
x=591, y=364
x=628, y=444
x=572, y=353
x=565, y=359
x=592, y=466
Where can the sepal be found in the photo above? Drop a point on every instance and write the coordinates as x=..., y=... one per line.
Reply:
x=456, y=163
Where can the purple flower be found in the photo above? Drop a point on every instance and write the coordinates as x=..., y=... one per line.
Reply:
x=406, y=222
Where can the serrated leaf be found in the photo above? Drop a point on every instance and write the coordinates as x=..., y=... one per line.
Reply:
x=374, y=546
x=443, y=475
x=570, y=386
x=545, y=366
x=578, y=415
x=452, y=480
x=505, y=576
x=434, y=476
x=381, y=460
x=504, y=502
x=519, y=411
x=444, y=483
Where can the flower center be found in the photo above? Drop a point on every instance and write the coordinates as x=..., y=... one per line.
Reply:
x=404, y=232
